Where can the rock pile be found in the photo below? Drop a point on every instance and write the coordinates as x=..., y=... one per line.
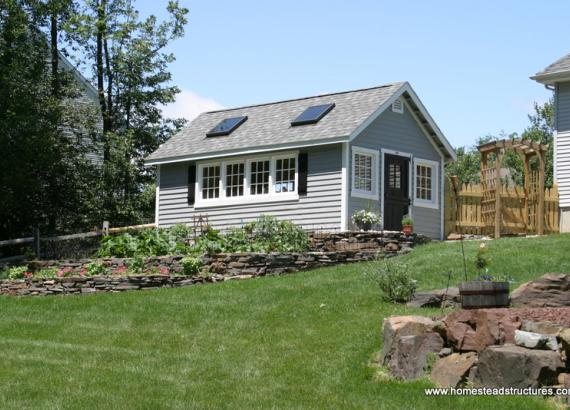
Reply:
x=485, y=347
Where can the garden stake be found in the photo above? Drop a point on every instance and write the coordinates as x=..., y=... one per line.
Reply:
x=446, y=289
x=454, y=184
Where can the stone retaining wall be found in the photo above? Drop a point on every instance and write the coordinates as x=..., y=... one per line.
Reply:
x=221, y=267
x=332, y=248
x=355, y=240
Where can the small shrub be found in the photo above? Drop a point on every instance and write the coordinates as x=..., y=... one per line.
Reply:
x=18, y=272
x=96, y=269
x=47, y=273
x=191, y=265
x=394, y=281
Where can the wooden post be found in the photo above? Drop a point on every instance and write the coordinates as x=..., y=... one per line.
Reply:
x=498, y=190
x=525, y=160
x=37, y=248
x=540, y=216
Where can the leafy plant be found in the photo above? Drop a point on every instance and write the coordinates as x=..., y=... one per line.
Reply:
x=46, y=273
x=96, y=269
x=394, y=281
x=482, y=262
x=136, y=266
x=191, y=265
x=148, y=242
x=18, y=272
x=407, y=220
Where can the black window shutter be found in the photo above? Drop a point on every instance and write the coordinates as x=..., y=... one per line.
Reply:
x=303, y=166
x=191, y=184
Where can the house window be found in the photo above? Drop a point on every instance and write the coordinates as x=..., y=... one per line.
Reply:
x=259, y=177
x=426, y=177
x=234, y=179
x=364, y=170
x=211, y=182
x=285, y=175
x=247, y=180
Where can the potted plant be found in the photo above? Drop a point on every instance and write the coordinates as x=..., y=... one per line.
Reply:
x=364, y=219
x=407, y=225
x=486, y=291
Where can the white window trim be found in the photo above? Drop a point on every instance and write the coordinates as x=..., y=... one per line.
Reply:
x=247, y=197
x=358, y=193
x=434, y=165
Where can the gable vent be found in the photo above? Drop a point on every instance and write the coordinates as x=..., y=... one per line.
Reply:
x=398, y=106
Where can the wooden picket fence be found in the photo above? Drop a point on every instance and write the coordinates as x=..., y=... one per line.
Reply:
x=469, y=216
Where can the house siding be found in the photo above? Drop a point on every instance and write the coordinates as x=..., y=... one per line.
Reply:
x=399, y=132
x=320, y=208
x=563, y=107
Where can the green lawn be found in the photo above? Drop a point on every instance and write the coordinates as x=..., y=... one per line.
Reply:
x=297, y=341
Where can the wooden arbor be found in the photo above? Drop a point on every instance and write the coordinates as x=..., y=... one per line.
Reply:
x=491, y=161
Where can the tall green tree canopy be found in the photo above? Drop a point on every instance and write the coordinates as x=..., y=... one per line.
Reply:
x=45, y=177
x=540, y=129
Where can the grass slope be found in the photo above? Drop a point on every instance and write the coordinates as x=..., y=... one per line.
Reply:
x=297, y=341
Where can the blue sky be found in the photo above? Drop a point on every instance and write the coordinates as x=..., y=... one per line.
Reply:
x=468, y=61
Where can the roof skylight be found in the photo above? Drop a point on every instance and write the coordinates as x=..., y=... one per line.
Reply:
x=226, y=126
x=313, y=114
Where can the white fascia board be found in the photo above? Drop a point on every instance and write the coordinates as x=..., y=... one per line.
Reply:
x=240, y=151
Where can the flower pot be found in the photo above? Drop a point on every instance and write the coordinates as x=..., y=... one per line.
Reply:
x=365, y=226
x=408, y=229
x=479, y=294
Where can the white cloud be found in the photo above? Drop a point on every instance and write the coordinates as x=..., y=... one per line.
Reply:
x=189, y=105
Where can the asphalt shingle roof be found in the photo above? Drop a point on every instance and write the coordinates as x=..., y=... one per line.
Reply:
x=559, y=66
x=270, y=124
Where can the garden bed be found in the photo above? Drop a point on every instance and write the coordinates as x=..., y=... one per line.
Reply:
x=72, y=276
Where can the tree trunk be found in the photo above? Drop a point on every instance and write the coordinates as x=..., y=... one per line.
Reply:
x=101, y=30
x=54, y=55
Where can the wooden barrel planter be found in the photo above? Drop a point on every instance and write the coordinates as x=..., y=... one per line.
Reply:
x=477, y=295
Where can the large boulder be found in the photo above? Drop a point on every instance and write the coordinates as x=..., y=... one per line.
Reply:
x=515, y=366
x=407, y=342
x=452, y=370
x=474, y=330
x=411, y=354
x=397, y=326
x=550, y=290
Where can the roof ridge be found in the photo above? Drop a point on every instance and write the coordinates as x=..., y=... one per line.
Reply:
x=306, y=98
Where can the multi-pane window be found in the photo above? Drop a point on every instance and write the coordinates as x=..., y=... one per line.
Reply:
x=234, y=179
x=394, y=176
x=285, y=175
x=363, y=172
x=211, y=182
x=424, y=182
x=259, y=177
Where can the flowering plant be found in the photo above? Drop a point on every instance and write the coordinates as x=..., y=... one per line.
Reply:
x=365, y=219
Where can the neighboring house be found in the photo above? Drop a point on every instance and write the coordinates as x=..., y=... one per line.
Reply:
x=314, y=161
x=87, y=97
x=556, y=77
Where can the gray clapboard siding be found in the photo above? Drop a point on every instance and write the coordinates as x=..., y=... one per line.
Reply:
x=563, y=107
x=320, y=208
x=399, y=132
x=562, y=144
